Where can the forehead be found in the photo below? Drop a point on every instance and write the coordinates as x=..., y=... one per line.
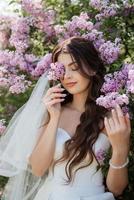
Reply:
x=65, y=58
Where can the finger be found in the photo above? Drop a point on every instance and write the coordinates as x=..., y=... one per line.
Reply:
x=57, y=95
x=120, y=115
x=55, y=89
x=128, y=121
x=54, y=101
x=115, y=117
x=107, y=126
x=111, y=123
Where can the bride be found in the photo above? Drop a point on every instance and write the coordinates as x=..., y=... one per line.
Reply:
x=54, y=146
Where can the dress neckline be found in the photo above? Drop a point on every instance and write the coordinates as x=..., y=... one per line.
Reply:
x=104, y=135
x=65, y=132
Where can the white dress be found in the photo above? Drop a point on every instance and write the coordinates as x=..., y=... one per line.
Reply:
x=87, y=184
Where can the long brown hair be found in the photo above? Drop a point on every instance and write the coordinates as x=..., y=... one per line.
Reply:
x=91, y=121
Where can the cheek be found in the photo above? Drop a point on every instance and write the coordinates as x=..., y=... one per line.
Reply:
x=84, y=83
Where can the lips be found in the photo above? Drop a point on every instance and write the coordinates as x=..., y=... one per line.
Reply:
x=71, y=83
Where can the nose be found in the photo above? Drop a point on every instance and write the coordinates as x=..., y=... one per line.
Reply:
x=67, y=74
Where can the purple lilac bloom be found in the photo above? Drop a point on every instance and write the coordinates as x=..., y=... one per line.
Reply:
x=106, y=12
x=20, y=34
x=109, y=52
x=56, y=71
x=43, y=65
x=75, y=26
x=42, y=19
x=100, y=156
x=19, y=84
x=12, y=59
x=94, y=35
x=109, y=84
x=110, y=100
x=98, y=4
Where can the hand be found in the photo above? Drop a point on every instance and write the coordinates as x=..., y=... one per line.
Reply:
x=118, y=129
x=52, y=100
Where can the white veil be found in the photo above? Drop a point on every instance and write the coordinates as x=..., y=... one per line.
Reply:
x=17, y=143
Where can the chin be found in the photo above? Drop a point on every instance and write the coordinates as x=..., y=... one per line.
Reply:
x=73, y=91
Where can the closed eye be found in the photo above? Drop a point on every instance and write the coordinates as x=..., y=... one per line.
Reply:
x=75, y=67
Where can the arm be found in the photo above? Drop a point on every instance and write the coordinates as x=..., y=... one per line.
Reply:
x=117, y=179
x=118, y=130
x=43, y=153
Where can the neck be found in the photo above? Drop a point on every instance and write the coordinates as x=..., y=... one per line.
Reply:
x=78, y=102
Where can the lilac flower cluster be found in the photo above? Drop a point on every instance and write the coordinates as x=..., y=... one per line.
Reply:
x=2, y=126
x=117, y=88
x=105, y=8
x=111, y=99
x=109, y=52
x=15, y=83
x=42, y=19
x=18, y=84
x=106, y=12
x=74, y=27
x=20, y=34
x=81, y=26
x=108, y=9
x=11, y=63
x=98, y=4
x=14, y=60
x=56, y=71
x=43, y=65
x=100, y=156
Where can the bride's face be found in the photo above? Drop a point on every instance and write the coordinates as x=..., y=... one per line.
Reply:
x=72, y=74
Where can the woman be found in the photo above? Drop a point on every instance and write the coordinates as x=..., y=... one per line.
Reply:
x=77, y=129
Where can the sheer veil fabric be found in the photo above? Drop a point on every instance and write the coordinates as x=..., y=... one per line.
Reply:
x=17, y=143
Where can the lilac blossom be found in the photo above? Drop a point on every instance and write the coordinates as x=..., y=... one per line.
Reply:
x=75, y=26
x=19, y=84
x=20, y=34
x=42, y=19
x=106, y=12
x=43, y=65
x=100, y=156
x=12, y=59
x=110, y=100
x=98, y=4
x=115, y=82
x=109, y=52
x=56, y=71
